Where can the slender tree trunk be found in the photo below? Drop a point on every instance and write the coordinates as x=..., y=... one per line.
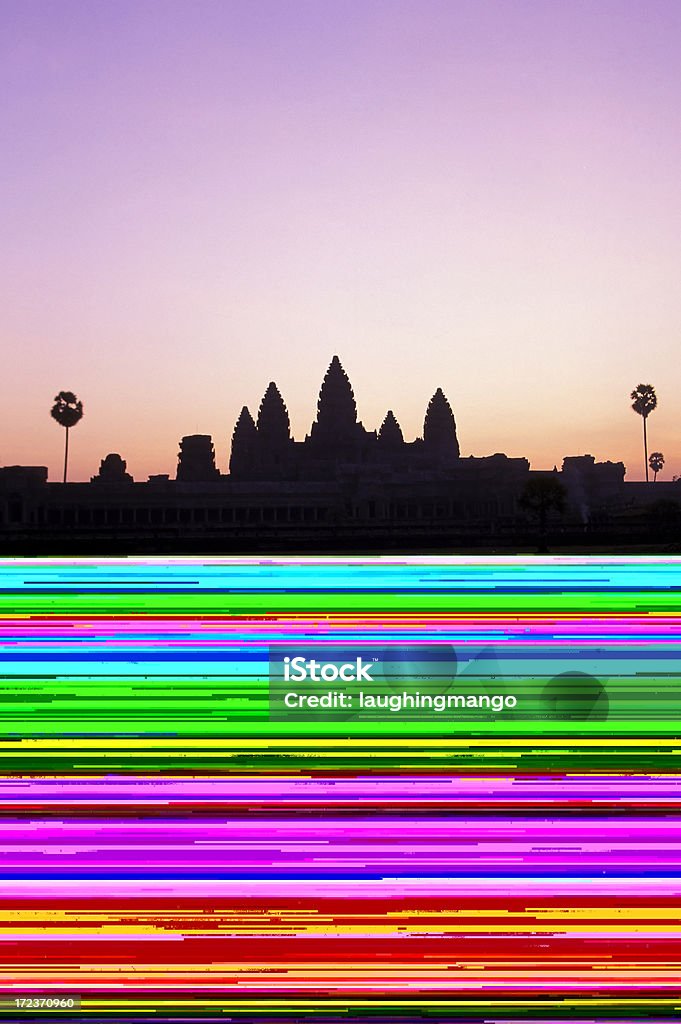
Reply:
x=645, y=444
x=66, y=453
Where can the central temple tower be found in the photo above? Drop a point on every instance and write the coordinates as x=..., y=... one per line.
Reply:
x=336, y=425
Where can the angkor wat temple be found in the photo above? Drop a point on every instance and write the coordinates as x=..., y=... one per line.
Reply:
x=342, y=488
x=338, y=442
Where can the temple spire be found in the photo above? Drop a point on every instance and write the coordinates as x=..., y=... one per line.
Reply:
x=274, y=428
x=439, y=427
x=244, y=440
x=390, y=435
x=336, y=408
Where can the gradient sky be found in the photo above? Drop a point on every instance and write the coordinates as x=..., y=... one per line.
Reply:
x=199, y=197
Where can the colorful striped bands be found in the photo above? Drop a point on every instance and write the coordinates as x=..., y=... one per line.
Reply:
x=170, y=850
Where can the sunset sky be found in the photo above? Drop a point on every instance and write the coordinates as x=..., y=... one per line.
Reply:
x=200, y=197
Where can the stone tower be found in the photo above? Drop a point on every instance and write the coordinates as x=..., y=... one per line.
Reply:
x=336, y=421
x=112, y=470
x=244, y=443
x=390, y=435
x=439, y=428
x=196, y=459
x=274, y=428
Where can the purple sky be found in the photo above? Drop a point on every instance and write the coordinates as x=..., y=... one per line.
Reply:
x=198, y=197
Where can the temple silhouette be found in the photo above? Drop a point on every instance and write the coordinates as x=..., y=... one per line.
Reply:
x=343, y=487
x=337, y=443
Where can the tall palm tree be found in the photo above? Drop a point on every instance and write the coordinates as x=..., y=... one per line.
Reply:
x=643, y=401
x=656, y=462
x=67, y=411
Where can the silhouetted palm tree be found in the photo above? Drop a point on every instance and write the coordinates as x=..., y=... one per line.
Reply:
x=643, y=401
x=656, y=462
x=67, y=411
